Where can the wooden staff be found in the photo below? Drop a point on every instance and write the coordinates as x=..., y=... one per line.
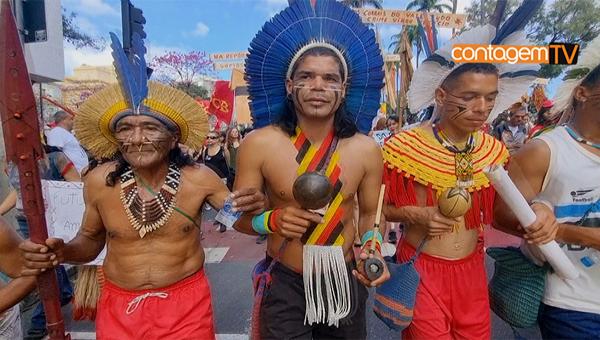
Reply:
x=23, y=147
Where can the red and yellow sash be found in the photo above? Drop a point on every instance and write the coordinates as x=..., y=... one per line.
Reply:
x=323, y=158
x=416, y=156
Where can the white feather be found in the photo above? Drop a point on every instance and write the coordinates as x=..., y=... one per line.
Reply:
x=589, y=58
x=430, y=74
x=510, y=91
x=425, y=80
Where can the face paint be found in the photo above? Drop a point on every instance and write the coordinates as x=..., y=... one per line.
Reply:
x=457, y=106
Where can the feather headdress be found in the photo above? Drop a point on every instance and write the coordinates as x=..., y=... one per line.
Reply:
x=135, y=95
x=575, y=74
x=514, y=80
x=299, y=27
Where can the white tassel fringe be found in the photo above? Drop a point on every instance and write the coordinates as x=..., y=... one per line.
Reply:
x=325, y=263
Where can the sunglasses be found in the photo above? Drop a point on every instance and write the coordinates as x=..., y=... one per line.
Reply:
x=212, y=137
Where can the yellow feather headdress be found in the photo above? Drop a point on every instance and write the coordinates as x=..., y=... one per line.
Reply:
x=92, y=124
x=135, y=95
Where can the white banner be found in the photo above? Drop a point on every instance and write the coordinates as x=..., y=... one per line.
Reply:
x=64, y=211
x=388, y=58
x=401, y=17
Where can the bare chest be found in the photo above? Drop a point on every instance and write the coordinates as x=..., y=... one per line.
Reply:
x=281, y=169
x=182, y=219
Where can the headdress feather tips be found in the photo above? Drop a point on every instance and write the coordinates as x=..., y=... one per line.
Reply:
x=136, y=95
x=514, y=79
x=131, y=72
x=326, y=23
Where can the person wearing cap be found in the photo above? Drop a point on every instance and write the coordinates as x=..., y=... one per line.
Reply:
x=314, y=89
x=443, y=160
x=142, y=203
x=546, y=120
x=561, y=169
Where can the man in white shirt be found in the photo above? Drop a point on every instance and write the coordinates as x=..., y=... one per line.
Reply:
x=61, y=137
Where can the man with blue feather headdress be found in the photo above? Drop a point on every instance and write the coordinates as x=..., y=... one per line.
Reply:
x=315, y=74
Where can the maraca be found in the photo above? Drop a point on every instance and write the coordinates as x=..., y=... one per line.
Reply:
x=312, y=190
x=454, y=202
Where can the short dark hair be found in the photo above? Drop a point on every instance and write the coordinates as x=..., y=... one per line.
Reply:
x=593, y=78
x=483, y=68
x=516, y=107
x=59, y=116
x=395, y=118
x=318, y=52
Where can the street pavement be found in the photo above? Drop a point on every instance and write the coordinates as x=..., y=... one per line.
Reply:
x=230, y=257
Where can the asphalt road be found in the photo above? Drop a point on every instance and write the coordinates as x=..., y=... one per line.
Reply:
x=230, y=259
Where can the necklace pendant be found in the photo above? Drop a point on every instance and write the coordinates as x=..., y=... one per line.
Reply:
x=142, y=232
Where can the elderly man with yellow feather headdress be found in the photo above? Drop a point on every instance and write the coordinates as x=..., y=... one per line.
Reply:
x=142, y=203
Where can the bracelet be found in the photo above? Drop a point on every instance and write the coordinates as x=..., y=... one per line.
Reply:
x=265, y=223
x=544, y=202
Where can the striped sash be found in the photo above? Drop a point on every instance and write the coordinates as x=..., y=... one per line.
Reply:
x=323, y=159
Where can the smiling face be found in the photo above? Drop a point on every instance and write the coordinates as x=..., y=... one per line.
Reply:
x=467, y=104
x=317, y=86
x=144, y=141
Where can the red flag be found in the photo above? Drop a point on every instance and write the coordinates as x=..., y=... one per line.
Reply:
x=221, y=103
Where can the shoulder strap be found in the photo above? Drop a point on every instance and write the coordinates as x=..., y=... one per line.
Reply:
x=419, y=249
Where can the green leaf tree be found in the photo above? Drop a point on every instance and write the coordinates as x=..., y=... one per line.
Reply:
x=74, y=35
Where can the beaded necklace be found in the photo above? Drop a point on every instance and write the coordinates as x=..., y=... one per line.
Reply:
x=580, y=139
x=148, y=216
x=463, y=159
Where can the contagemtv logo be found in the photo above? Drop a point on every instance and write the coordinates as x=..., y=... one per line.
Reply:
x=554, y=53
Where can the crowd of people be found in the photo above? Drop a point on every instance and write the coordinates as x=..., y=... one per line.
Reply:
x=157, y=163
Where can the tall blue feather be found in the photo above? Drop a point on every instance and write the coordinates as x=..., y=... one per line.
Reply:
x=518, y=20
x=138, y=65
x=273, y=48
x=423, y=37
x=131, y=73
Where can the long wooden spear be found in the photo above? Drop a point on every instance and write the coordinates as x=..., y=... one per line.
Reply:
x=23, y=146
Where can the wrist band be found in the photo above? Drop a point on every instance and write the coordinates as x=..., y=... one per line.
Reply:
x=544, y=202
x=265, y=223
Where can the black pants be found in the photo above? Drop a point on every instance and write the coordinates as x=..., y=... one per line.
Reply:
x=283, y=309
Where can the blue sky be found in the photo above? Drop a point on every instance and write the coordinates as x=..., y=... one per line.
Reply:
x=205, y=25
x=183, y=25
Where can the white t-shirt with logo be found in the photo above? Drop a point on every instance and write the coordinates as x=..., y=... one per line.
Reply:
x=61, y=138
x=572, y=185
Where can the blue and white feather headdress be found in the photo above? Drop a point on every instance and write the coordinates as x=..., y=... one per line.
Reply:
x=514, y=79
x=301, y=26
